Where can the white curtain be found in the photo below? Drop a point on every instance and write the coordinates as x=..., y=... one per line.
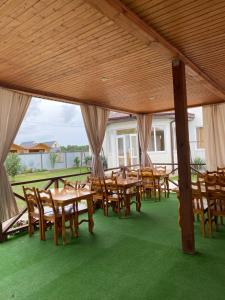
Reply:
x=95, y=121
x=214, y=133
x=144, y=126
x=13, y=107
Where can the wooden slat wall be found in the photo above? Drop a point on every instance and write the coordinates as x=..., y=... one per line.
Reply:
x=69, y=48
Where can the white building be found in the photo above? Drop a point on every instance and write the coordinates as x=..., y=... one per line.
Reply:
x=121, y=143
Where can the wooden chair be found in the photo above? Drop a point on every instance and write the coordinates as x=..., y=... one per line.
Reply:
x=164, y=180
x=114, y=196
x=133, y=174
x=200, y=205
x=221, y=170
x=218, y=209
x=53, y=214
x=115, y=174
x=148, y=183
x=211, y=195
x=98, y=185
x=34, y=211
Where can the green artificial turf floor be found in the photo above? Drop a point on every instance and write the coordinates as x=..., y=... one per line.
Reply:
x=134, y=258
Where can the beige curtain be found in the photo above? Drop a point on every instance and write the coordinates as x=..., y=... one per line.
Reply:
x=13, y=107
x=214, y=133
x=144, y=126
x=95, y=121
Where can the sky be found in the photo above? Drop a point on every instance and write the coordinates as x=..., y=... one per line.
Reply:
x=48, y=120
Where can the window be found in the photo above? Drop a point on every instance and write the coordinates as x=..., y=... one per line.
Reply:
x=200, y=138
x=157, y=139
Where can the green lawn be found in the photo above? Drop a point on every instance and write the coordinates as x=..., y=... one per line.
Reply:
x=43, y=175
x=137, y=258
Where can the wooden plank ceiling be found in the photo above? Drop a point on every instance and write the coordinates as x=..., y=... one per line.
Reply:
x=76, y=51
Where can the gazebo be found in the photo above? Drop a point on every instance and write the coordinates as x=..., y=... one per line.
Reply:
x=130, y=56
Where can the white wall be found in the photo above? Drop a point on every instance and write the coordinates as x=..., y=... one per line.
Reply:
x=110, y=147
x=197, y=122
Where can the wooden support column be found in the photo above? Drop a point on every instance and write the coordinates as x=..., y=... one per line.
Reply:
x=1, y=233
x=183, y=154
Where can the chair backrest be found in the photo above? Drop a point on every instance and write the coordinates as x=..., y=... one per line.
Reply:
x=160, y=169
x=96, y=185
x=220, y=203
x=70, y=185
x=46, y=200
x=211, y=178
x=211, y=173
x=147, y=177
x=31, y=199
x=146, y=169
x=115, y=174
x=133, y=174
x=112, y=187
x=221, y=170
x=197, y=201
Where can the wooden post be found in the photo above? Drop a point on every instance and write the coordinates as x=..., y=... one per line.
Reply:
x=1, y=233
x=183, y=154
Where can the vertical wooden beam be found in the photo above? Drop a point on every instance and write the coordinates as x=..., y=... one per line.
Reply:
x=1, y=233
x=183, y=154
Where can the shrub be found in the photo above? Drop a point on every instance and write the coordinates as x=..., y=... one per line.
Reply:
x=52, y=158
x=104, y=162
x=87, y=160
x=77, y=161
x=13, y=165
x=198, y=161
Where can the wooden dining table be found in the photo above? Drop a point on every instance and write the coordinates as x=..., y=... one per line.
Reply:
x=64, y=197
x=124, y=184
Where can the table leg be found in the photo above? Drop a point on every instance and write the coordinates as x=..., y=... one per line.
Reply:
x=90, y=214
x=63, y=226
x=76, y=219
x=127, y=203
x=138, y=200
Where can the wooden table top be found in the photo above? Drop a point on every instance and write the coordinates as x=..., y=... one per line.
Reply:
x=125, y=181
x=65, y=196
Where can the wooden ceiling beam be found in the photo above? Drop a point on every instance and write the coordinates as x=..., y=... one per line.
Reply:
x=129, y=21
x=59, y=97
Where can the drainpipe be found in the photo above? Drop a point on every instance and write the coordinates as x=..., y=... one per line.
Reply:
x=172, y=143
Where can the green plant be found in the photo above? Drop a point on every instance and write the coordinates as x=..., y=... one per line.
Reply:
x=104, y=162
x=87, y=159
x=198, y=161
x=77, y=161
x=13, y=165
x=52, y=158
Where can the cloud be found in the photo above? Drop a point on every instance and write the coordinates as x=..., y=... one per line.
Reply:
x=51, y=120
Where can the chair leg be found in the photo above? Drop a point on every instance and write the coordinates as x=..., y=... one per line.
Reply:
x=203, y=224
x=56, y=233
x=76, y=221
x=209, y=225
x=43, y=230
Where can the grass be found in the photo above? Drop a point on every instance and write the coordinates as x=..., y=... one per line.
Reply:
x=134, y=258
x=43, y=175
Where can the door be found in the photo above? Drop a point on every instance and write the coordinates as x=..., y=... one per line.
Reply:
x=134, y=149
x=121, y=157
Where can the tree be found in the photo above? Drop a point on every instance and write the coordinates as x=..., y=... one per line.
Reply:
x=87, y=159
x=12, y=164
x=75, y=148
x=52, y=158
x=77, y=161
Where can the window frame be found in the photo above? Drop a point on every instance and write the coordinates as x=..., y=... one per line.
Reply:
x=155, y=142
x=197, y=138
